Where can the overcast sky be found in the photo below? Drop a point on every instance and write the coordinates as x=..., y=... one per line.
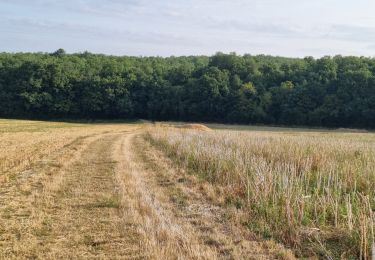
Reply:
x=294, y=28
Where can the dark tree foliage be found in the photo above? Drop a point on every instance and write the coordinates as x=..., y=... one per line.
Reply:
x=331, y=91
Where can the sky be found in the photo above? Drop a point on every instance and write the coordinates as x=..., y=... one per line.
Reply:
x=292, y=28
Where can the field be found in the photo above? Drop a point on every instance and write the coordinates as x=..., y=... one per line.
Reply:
x=154, y=191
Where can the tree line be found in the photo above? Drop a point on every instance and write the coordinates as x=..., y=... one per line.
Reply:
x=330, y=91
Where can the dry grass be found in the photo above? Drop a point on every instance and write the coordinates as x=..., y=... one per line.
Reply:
x=102, y=191
x=24, y=143
x=83, y=191
x=212, y=231
x=198, y=127
x=314, y=191
x=161, y=235
x=58, y=195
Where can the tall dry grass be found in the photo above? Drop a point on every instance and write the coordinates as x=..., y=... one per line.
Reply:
x=313, y=191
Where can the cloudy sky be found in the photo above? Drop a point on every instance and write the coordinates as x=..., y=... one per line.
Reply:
x=294, y=28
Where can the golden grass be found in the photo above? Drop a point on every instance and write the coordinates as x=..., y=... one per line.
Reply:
x=58, y=195
x=314, y=191
x=198, y=127
x=206, y=229
x=72, y=191
x=161, y=236
x=23, y=143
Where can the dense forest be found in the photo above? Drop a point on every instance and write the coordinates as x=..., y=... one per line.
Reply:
x=330, y=91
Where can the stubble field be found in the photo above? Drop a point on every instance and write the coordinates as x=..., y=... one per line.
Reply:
x=146, y=191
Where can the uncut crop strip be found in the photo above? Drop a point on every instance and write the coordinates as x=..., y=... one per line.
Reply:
x=312, y=191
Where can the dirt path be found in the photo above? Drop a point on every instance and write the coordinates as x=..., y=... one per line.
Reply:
x=115, y=197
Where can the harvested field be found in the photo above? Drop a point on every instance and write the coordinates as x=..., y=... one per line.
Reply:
x=78, y=191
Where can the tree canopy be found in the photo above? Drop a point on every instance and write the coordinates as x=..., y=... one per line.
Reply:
x=330, y=91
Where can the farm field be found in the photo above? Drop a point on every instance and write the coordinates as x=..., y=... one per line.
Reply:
x=154, y=191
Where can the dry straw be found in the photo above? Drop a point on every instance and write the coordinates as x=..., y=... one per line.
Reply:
x=312, y=191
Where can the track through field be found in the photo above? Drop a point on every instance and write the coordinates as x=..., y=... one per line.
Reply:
x=110, y=195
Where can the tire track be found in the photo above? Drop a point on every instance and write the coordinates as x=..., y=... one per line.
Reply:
x=215, y=230
x=160, y=234
x=113, y=197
